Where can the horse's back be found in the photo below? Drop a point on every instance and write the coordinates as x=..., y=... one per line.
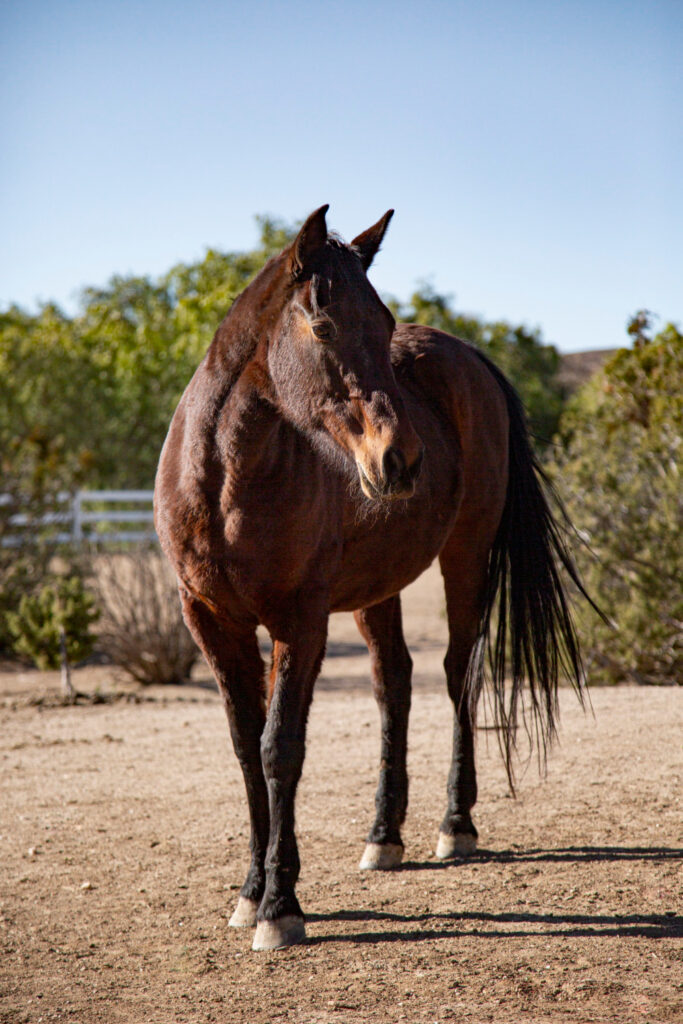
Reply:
x=447, y=374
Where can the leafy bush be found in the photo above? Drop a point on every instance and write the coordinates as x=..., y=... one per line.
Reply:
x=60, y=612
x=142, y=628
x=619, y=472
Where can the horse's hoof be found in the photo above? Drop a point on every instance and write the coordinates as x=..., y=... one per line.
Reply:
x=286, y=931
x=244, y=915
x=381, y=857
x=461, y=845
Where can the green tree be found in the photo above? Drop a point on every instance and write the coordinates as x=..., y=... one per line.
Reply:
x=103, y=385
x=619, y=472
x=45, y=382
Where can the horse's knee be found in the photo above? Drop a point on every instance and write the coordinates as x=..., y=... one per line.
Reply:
x=281, y=756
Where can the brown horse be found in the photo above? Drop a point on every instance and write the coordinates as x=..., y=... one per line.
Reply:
x=319, y=460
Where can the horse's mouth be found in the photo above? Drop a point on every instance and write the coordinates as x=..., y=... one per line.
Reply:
x=391, y=492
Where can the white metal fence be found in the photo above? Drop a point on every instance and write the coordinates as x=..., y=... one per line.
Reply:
x=87, y=516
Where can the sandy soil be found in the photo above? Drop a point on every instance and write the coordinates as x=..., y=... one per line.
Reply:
x=123, y=845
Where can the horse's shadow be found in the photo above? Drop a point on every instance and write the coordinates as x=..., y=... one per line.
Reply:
x=567, y=854
x=455, y=926
x=468, y=924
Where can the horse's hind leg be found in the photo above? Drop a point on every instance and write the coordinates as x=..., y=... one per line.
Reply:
x=464, y=596
x=391, y=668
x=237, y=665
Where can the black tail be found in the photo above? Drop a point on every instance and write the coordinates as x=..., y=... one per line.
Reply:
x=534, y=638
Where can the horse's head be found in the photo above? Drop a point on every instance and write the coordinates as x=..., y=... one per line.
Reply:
x=329, y=359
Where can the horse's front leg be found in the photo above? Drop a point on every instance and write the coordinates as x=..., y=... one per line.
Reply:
x=391, y=668
x=298, y=649
x=234, y=656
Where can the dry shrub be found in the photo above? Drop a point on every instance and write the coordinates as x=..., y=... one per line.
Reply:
x=142, y=628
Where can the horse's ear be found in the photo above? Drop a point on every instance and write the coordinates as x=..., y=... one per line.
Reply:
x=309, y=241
x=369, y=242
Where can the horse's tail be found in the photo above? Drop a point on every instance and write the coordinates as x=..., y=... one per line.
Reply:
x=534, y=638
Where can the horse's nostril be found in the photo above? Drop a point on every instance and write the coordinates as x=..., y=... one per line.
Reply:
x=393, y=466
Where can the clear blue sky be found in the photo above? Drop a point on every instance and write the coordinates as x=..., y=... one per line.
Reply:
x=533, y=150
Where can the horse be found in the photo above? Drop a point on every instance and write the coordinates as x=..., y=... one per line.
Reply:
x=320, y=459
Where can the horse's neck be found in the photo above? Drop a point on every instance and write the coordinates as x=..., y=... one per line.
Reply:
x=237, y=356
x=250, y=319
x=243, y=422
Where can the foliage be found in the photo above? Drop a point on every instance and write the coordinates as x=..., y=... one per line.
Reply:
x=142, y=628
x=62, y=608
x=619, y=471
x=120, y=366
x=530, y=364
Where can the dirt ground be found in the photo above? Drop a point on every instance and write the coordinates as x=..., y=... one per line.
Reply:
x=123, y=835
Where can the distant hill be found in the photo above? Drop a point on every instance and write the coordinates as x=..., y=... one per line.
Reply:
x=577, y=367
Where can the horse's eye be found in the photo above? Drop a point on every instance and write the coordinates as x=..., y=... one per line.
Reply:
x=324, y=330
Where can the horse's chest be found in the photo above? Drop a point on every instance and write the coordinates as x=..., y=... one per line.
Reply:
x=277, y=531
x=390, y=546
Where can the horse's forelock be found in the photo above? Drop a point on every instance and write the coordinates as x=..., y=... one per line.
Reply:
x=344, y=268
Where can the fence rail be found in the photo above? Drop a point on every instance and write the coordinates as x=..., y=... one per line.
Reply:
x=88, y=516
